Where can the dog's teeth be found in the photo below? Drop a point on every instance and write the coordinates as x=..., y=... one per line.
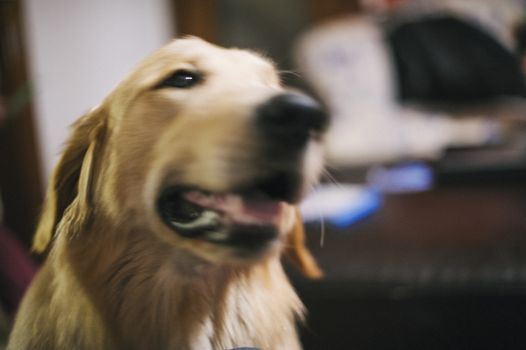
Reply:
x=207, y=218
x=217, y=236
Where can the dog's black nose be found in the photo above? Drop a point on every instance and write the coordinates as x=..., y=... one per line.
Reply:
x=290, y=119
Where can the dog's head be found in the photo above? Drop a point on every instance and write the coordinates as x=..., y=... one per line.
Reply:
x=200, y=146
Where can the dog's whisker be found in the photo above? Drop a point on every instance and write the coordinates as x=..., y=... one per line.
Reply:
x=314, y=189
x=322, y=231
x=289, y=72
x=327, y=174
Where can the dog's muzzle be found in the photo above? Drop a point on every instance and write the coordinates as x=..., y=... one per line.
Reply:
x=248, y=217
x=285, y=124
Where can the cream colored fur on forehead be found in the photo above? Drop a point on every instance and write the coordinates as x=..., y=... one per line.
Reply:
x=192, y=53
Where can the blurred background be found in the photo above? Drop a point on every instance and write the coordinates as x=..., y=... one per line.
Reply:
x=420, y=220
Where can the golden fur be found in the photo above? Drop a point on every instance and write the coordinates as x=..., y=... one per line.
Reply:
x=115, y=276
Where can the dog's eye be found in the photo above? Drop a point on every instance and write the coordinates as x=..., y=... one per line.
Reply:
x=181, y=79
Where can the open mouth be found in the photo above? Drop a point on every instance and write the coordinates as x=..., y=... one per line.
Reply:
x=247, y=220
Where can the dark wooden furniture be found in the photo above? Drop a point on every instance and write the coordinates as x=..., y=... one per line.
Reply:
x=20, y=177
x=444, y=269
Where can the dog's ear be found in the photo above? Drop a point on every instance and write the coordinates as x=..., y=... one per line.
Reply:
x=297, y=251
x=72, y=178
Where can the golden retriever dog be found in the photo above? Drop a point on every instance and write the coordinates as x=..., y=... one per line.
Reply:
x=167, y=215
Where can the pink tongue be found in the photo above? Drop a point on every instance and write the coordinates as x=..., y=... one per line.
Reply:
x=239, y=209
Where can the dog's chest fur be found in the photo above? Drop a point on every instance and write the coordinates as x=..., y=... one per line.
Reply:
x=254, y=312
x=125, y=309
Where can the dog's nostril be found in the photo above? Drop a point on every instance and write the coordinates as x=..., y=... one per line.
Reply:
x=291, y=118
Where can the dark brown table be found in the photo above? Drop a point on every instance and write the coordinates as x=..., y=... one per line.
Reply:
x=444, y=269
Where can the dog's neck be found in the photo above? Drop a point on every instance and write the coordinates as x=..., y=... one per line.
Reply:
x=151, y=296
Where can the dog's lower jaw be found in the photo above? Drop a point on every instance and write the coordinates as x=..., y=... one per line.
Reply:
x=139, y=299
